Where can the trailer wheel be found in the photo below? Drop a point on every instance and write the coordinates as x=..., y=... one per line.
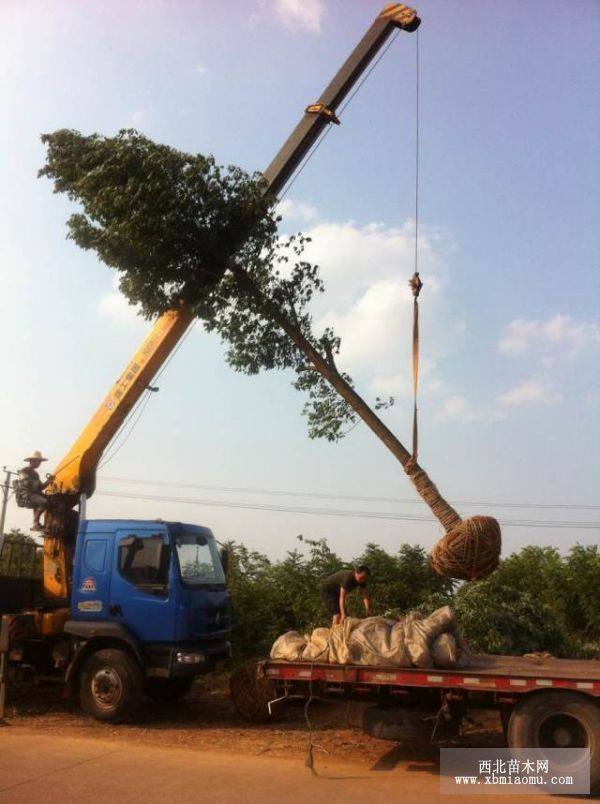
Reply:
x=168, y=690
x=111, y=685
x=558, y=720
x=251, y=690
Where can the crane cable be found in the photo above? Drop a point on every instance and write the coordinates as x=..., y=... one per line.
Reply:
x=140, y=405
x=340, y=112
x=415, y=281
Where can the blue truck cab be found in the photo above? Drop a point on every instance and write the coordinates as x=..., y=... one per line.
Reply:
x=149, y=611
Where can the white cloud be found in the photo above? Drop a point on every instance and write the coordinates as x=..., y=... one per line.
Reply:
x=457, y=408
x=592, y=398
x=551, y=342
x=200, y=69
x=300, y=14
x=535, y=390
x=115, y=306
x=137, y=117
x=558, y=334
x=296, y=210
x=369, y=303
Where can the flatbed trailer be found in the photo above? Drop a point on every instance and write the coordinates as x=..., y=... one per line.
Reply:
x=543, y=702
x=496, y=675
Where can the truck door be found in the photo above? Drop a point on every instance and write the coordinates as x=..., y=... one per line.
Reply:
x=140, y=595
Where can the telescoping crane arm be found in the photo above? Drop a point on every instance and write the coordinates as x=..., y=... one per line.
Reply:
x=76, y=473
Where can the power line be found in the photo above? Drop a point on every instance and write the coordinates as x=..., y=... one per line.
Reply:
x=139, y=408
x=351, y=497
x=390, y=515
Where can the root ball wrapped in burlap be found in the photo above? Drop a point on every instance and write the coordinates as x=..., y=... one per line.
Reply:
x=410, y=641
x=470, y=550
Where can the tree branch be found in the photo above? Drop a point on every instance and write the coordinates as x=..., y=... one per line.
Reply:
x=329, y=353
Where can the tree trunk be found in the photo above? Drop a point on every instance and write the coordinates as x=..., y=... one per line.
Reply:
x=444, y=512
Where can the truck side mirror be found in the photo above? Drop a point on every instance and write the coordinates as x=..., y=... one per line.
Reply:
x=224, y=556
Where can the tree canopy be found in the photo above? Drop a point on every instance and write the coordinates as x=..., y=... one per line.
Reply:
x=179, y=227
x=175, y=226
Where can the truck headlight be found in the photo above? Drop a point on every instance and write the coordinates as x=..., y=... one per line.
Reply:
x=189, y=658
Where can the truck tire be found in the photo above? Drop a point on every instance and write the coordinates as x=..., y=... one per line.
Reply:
x=111, y=685
x=556, y=719
x=168, y=690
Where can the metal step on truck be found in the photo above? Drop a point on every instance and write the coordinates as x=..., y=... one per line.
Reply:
x=543, y=702
x=149, y=610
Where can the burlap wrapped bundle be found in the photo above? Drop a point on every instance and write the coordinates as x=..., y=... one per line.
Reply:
x=398, y=651
x=415, y=640
x=444, y=651
x=289, y=647
x=412, y=641
x=470, y=550
x=317, y=648
x=371, y=643
x=339, y=641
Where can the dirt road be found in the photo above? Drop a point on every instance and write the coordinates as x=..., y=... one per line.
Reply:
x=201, y=750
x=39, y=768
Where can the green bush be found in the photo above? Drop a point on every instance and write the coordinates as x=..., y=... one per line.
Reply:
x=21, y=556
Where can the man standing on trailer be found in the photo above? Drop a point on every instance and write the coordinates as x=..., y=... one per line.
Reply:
x=335, y=589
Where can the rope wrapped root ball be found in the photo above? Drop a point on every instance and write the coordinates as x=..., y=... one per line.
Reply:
x=470, y=550
x=251, y=690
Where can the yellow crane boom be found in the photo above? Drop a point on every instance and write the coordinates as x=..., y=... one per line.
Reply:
x=76, y=473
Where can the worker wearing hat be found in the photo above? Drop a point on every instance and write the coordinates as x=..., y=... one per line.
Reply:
x=29, y=488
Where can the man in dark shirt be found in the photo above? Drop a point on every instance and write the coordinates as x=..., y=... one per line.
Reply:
x=335, y=588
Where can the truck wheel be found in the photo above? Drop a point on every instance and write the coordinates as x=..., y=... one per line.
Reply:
x=168, y=690
x=558, y=720
x=111, y=685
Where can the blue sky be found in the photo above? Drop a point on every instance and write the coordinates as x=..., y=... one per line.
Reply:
x=509, y=254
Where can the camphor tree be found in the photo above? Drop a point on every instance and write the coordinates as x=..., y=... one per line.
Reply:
x=179, y=228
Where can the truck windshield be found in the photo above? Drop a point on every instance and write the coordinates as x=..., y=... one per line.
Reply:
x=199, y=560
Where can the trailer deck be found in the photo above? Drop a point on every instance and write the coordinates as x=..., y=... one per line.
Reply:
x=513, y=674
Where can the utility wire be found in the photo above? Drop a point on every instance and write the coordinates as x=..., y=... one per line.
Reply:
x=140, y=407
x=331, y=496
x=521, y=523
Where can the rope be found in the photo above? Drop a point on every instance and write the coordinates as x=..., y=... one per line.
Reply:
x=417, y=115
x=416, y=285
x=415, y=282
x=310, y=757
